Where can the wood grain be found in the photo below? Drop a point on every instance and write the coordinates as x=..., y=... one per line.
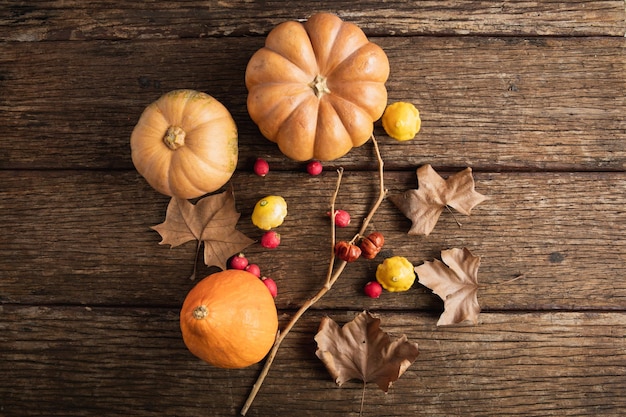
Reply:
x=490, y=103
x=131, y=361
x=530, y=94
x=84, y=238
x=76, y=20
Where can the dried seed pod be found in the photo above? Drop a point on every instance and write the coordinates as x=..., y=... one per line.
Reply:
x=372, y=244
x=377, y=238
x=347, y=251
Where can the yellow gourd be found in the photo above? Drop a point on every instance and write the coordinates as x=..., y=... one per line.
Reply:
x=401, y=121
x=395, y=274
x=269, y=212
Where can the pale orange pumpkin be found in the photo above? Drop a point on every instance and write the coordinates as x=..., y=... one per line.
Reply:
x=185, y=144
x=316, y=88
x=229, y=319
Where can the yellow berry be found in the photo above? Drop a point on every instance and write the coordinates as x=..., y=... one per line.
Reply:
x=401, y=120
x=395, y=274
x=269, y=212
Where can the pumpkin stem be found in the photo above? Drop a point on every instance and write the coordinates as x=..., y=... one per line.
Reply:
x=174, y=137
x=319, y=86
x=200, y=312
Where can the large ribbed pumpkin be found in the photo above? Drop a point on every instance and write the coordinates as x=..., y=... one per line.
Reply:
x=316, y=88
x=229, y=319
x=185, y=144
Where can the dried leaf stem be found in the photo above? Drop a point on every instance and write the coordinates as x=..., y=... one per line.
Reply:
x=458, y=223
x=195, y=261
x=331, y=277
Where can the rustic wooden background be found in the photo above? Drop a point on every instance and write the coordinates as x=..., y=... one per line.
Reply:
x=531, y=95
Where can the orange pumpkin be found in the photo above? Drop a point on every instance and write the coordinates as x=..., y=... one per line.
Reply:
x=185, y=144
x=229, y=319
x=316, y=88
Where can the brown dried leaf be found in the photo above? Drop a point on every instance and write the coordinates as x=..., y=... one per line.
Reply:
x=212, y=221
x=424, y=205
x=361, y=350
x=456, y=284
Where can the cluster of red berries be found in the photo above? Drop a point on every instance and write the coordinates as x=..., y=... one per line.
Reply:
x=368, y=248
x=271, y=238
x=241, y=263
x=262, y=167
x=349, y=252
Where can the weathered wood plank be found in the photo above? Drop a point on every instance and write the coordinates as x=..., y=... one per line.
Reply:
x=54, y=20
x=83, y=238
x=112, y=361
x=485, y=102
x=529, y=94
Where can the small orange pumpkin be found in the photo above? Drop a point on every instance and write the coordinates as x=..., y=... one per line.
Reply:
x=229, y=319
x=316, y=88
x=185, y=144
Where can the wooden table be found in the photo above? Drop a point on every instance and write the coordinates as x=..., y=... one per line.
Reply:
x=530, y=95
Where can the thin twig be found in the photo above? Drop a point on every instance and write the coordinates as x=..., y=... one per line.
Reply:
x=281, y=335
x=382, y=191
x=512, y=279
x=331, y=264
x=458, y=223
x=362, y=399
x=331, y=277
x=195, y=261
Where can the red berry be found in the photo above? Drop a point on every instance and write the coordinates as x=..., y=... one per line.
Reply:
x=270, y=239
x=271, y=286
x=373, y=289
x=239, y=262
x=342, y=218
x=254, y=269
x=261, y=167
x=314, y=168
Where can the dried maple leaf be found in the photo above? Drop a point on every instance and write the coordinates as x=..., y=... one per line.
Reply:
x=211, y=220
x=424, y=205
x=361, y=350
x=456, y=284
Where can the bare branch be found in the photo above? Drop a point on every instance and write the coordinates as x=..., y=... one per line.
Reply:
x=331, y=276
